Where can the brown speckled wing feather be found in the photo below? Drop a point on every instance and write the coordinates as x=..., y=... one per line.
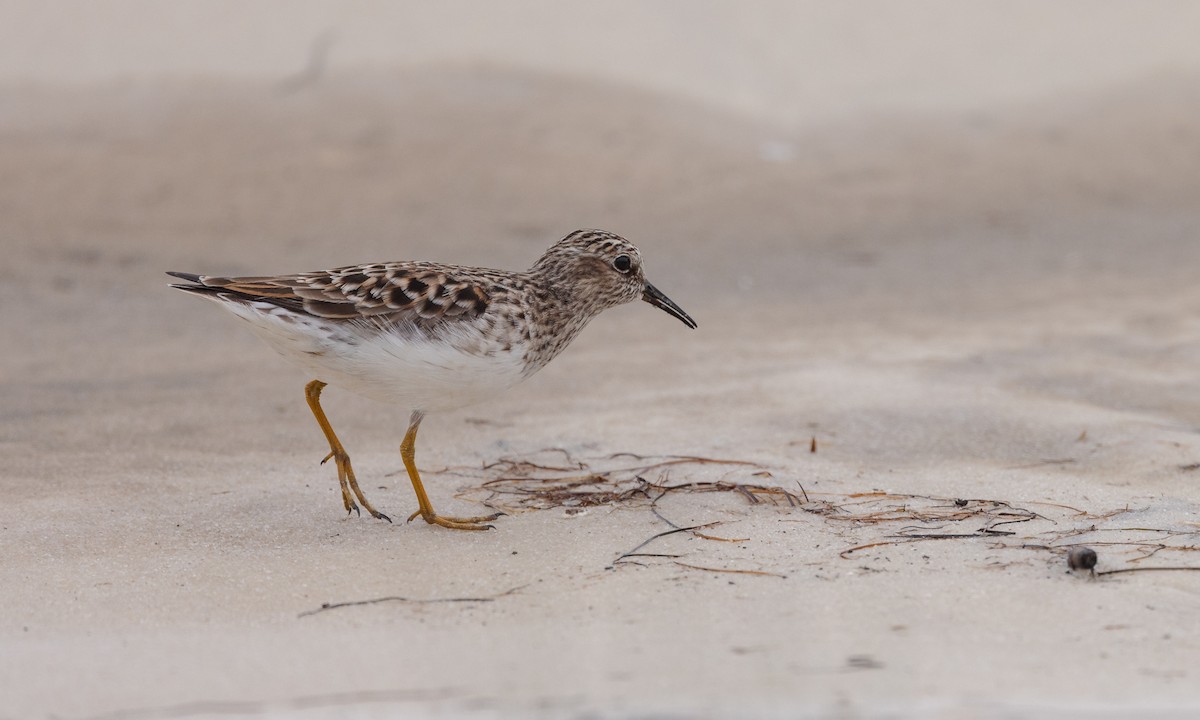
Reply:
x=383, y=291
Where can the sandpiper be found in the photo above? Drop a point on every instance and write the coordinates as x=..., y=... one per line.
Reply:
x=432, y=337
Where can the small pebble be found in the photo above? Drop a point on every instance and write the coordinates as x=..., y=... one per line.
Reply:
x=1082, y=558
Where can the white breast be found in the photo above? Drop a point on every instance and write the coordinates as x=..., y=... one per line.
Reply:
x=456, y=369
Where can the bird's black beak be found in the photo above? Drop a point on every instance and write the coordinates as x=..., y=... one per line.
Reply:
x=652, y=295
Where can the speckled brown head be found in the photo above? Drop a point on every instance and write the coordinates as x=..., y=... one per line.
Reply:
x=601, y=270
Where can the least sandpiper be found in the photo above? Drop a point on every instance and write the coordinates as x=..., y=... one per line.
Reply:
x=432, y=337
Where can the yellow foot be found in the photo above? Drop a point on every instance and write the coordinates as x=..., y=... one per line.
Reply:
x=350, y=487
x=374, y=513
x=456, y=523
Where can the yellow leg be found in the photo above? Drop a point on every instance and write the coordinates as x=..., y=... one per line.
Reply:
x=312, y=392
x=408, y=452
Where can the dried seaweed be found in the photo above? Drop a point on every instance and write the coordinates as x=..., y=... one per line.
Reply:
x=884, y=507
x=514, y=485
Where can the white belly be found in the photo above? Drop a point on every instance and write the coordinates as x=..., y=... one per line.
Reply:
x=408, y=370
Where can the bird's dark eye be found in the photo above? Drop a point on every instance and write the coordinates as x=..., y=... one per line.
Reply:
x=622, y=263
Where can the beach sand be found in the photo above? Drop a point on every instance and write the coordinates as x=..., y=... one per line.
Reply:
x=998, y=308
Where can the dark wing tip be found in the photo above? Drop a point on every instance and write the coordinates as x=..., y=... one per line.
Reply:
x=200, y=290
x=197, y=287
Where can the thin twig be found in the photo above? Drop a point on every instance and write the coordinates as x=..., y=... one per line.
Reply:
x=1145, y=569
x=415, y=601
x=664, y=533
x=724, y=570
x=702, y=536
x=846, y=553
x=952, y=536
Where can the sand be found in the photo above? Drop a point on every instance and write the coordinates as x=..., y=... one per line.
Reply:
x=998, y=307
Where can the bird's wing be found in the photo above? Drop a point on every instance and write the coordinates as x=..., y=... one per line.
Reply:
x=397, y=292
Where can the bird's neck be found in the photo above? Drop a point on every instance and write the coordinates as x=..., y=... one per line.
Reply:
x=559, y=312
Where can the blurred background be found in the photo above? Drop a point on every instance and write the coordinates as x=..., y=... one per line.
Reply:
x=795, y=63
x=351, y=130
